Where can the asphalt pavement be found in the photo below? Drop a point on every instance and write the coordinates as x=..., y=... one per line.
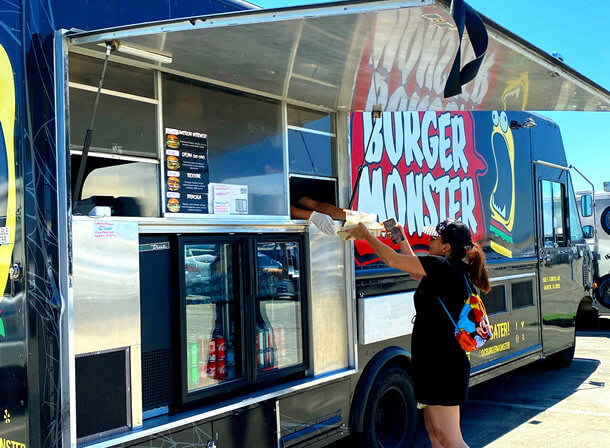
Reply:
x=540, y=407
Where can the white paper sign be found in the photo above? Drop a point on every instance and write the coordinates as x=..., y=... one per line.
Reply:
x=104, y=229
x=5, y=235
x=222, y=199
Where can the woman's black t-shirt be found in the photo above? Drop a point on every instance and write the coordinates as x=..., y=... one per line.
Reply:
x=441, y=366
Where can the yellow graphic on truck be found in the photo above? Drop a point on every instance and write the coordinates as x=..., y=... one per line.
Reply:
x=7, y=134
x=502, y=200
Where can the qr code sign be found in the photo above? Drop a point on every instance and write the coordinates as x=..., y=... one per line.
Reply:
x=5, y=235
x=241, y=206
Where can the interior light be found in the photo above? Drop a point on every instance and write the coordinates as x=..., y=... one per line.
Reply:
x=528, y=123
x=140, y=52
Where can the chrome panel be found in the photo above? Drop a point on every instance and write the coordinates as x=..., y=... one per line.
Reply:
x=135, y=363
x=137, y=182
x=66, y=319
x=512, y=277
x=298, y=386
x=344, y=190
x=343, y=57
x=106, y=284
x=328, y=302
x=385, y=317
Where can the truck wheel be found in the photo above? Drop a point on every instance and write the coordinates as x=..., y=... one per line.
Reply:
x=391, y=411
x=603, y=291
x=563, y=358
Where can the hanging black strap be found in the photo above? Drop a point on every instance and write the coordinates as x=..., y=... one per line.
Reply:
x=78, y=189
x=465, y=15
x=361, y=167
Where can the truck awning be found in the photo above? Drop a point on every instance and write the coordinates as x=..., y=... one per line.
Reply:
x=353, y=56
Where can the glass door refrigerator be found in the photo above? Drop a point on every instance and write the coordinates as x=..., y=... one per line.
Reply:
x=242, y=313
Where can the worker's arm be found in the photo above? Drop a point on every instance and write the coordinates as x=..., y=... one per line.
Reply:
x=407, y=262
x=322, y=207
x=299, y=213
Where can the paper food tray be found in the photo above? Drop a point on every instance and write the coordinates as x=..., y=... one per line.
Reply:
x=374, y=227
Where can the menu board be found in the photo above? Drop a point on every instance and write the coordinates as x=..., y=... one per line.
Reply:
x=187, y=174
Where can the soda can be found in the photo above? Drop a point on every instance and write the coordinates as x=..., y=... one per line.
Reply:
x=203, y=368
x=210, y=370
x=201, y=348
x=194, y=376
x=270, y=357
x=260, y=348
x=221, y=369
x=221, y=348
x=192, y=354
x=282, y=344
x=212, y=350
x=271, y=347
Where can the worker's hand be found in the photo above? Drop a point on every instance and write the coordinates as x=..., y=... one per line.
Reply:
x=323, y=222
x=359, y=233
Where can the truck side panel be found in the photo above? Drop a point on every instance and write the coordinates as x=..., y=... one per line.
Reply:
x=13, y=348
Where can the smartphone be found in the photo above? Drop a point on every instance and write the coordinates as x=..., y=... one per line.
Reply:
x=395, y=233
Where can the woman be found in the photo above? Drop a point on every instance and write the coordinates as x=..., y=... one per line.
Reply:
x=441, y=367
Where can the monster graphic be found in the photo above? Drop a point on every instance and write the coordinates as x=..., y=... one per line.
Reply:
x=7, y=170
x=502, y=201
x=516, y=93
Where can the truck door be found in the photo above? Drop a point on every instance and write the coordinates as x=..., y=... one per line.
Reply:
x=554, y=259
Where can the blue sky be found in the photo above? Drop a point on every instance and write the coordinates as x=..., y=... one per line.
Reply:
x=579, y=35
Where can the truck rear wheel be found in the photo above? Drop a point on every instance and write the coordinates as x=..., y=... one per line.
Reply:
x=563, y=358
x=391, y=411
x=603, y=291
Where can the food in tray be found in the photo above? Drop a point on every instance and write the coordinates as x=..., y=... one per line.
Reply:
x=353, y=218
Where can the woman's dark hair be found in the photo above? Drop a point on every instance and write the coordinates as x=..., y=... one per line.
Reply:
x=477, y=265
x=478, y=268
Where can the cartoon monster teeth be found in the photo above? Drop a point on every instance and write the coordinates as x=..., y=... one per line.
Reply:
x=7, y=123
x=502, y=217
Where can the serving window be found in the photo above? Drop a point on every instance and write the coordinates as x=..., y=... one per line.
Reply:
x=166, y=145
x=244, y=142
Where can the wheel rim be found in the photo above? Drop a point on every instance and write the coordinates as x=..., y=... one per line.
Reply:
x=390, y=418
x=603, y=293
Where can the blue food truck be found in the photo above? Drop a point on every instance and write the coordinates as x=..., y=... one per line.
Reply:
x=156, y=290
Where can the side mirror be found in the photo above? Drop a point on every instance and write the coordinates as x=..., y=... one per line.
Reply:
x=588, y=232
x=586, y=205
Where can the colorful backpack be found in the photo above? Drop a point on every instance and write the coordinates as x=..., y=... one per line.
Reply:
x=472, y=329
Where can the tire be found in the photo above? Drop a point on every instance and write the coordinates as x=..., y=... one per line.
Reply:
x=587, y=318
x=563, y=358
x=390, y=417
x=603, y=291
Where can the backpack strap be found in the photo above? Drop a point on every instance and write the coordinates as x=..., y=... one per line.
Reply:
x=468, y=288
x=447, y=311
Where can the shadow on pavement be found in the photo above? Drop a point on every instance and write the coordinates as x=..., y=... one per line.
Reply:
x=500, y=405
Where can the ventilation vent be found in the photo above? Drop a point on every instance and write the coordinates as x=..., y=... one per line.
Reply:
x=156, y=379
x=101, y=393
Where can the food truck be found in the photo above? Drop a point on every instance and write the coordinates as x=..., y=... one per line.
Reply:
x=156, y=290
x=595, y=217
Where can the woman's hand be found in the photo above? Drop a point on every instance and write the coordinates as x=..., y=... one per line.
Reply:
x=402, y=230
x=360, y=232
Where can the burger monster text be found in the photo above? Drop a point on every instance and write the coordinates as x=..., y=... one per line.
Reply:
x=421, y=168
